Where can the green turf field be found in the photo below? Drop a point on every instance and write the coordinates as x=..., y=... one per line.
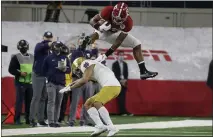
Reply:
x=181, y=131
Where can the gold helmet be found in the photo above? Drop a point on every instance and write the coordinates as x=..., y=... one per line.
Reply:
x=76, y=66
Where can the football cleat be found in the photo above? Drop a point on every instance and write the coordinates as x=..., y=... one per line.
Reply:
x=112, y=131
x=99, y=130
x=148, y=74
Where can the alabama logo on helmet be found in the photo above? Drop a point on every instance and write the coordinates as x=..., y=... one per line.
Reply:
x=120, y=13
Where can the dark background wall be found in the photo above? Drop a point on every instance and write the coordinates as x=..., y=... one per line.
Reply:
x=154, y=4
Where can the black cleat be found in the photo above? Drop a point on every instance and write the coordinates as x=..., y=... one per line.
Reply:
x=81, y=123
x=33, y=123
x=52, y=125
x=71, y=124
x=148, y=74
x=57, y=125
x=42, y=124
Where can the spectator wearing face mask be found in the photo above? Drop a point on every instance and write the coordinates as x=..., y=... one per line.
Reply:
x=120, y=69
x=37, y=107
x=21, y=67
x=54, y=68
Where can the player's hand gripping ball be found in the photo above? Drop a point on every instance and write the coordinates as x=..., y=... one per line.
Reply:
x=104, y=25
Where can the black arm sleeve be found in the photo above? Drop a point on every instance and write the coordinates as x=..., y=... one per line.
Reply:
x=14, y=66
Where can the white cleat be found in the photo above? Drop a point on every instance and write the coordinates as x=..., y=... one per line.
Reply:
x=99, y=130
x=112, y=131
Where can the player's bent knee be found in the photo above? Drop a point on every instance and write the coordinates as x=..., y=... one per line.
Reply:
x=88, y=104
x=87, y=107
x=97, y=105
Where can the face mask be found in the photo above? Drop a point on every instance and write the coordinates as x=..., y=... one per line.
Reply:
x=57, y=51
x=23, y=51
x=121, y=58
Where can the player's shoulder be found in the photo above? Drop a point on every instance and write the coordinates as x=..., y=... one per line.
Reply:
x=109, y=8
x=128, y=24
x=106, y=12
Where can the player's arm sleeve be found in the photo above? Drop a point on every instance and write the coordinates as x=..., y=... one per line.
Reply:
x=105, y=13
x=14, y=66
x=129, y=26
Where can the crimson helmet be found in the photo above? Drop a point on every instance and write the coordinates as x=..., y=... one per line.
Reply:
x=120, y=13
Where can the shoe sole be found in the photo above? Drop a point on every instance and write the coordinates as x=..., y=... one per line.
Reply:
x=146, y=77
x=38, y=125
x=114, y=134
x=97, y=134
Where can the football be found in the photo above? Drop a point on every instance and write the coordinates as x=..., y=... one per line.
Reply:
x=101, y=21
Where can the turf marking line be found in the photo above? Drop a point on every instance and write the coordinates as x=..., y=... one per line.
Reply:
x=147, y=125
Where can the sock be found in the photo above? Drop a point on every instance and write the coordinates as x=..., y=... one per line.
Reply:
x=105, y=115
x=142, y=67
x=94, y=115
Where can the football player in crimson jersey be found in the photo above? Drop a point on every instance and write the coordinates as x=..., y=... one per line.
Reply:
x=112, y=25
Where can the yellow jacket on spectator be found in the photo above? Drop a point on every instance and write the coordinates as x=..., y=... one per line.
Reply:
x=68, y=78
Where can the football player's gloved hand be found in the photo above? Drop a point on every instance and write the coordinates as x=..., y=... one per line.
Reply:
x=105, y=27
x=101, y=58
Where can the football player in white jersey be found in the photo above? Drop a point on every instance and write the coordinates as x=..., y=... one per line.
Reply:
x=93, y=70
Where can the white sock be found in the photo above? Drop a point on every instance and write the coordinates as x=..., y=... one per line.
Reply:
x=93, y=113
x=105, y=115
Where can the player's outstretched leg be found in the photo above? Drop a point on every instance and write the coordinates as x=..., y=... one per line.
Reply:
x=94, y=115
x=106, y=118
x=144, y=73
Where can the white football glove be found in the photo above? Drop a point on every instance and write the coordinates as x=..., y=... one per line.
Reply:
x=104, y=27
x=65, y=89
x=101, y=58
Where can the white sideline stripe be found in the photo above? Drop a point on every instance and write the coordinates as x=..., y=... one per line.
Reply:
x=147, y=125
x=146, y=134
x=150, y=131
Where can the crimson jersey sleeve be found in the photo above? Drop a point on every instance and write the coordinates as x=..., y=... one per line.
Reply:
x=106, y=13
x=128, y=24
